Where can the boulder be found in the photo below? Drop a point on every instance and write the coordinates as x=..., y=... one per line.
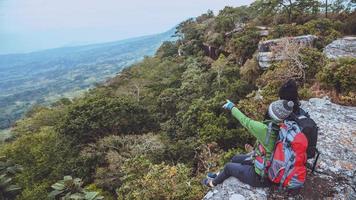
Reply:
x=336, y=175
x=263, y=30
x=344, y=47
x=265, y=54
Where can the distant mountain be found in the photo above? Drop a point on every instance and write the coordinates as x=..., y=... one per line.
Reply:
x=44, y=76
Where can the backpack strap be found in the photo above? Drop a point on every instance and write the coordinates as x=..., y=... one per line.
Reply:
x=269, y=132
x=316, y=160
x=287, y=168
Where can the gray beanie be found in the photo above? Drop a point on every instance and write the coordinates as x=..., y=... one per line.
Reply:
x=280, y=109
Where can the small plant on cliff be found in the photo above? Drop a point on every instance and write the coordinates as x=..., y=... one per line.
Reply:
x=70, y=188
x=340, y=75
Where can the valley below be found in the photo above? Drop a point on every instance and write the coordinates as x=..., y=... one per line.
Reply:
x=46, y=76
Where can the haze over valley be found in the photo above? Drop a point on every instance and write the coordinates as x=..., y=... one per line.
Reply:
x=45, y=76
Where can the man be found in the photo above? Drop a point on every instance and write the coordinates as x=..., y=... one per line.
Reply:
x=266, y=135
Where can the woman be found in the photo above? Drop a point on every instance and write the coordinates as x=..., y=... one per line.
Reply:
x=266, y=135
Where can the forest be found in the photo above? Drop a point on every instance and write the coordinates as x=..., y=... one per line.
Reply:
x=154, y=130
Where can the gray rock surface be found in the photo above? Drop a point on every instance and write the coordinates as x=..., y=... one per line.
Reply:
x=336, y=176
x=265, y=55
x=344, y=47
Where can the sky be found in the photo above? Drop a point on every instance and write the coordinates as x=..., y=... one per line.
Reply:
x=31, y=25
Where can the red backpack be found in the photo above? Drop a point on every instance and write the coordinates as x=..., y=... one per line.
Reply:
x=288, y=161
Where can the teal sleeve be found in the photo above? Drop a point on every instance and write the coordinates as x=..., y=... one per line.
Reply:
x=256, y=128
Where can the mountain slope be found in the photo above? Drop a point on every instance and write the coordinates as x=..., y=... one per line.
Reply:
x=41, y=77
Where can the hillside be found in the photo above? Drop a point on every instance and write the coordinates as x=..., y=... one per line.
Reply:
x=155, y=130
x=45, y=76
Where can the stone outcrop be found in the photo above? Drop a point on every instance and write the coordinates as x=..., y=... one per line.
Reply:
x=265, y=49
x=336, y=175
x=263, y=30
x=344, y=47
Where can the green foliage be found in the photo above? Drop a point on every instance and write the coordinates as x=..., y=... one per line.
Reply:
x=167, y=49
x=70, y=188
x=229, y=17
x=244, y=44
x=45, y=156
x=159, y=182
x=250, y=71
x=112, y=151
x=98, y=115
x=327, y=30
x=314, y=61
x=38, y=118
x=340, y=75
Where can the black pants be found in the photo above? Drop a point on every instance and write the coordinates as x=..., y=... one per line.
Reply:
x=243, y=170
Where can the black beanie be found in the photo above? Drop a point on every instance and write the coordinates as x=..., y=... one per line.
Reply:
x=289, y=91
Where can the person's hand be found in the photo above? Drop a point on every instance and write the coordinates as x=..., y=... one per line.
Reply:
x=228, y=105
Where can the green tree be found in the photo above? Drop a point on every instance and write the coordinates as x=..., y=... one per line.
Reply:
x=98, y=115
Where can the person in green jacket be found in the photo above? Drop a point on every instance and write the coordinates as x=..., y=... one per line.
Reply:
x=253, y=172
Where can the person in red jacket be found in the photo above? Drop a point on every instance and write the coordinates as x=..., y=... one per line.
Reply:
x=266, y=135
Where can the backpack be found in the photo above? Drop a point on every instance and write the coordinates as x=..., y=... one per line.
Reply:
x=310, y=129
x=288, y=161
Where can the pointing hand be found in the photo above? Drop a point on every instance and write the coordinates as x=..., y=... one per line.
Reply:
x=228, y=105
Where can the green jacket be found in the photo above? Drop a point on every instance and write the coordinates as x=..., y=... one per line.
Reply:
x=257, y=129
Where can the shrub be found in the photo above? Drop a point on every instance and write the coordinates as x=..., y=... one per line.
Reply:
x=167, y=49
x=70, y=188
x=314, y=61
x=45, y=156
x=340, y=75
x=96, y=116
x=111, y=152
x=244, y=44
x=250, y=71
x=38, y=118
x=326, y=29
x=158, y=182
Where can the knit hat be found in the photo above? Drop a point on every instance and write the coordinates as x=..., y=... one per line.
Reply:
x=280, y=109
x=289, y=91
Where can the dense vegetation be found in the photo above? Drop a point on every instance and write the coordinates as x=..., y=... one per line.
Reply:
x=44, y=77
x=154, y=130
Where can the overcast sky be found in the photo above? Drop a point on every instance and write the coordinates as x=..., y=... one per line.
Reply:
x=29, y=25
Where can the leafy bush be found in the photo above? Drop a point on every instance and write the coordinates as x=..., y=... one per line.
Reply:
x=39, y=117
x=111, y=152
x=45, y=156
x=326, y=29
x=96, y=116
x=167, y=49
x=244, y=44
x=250, y=71
x=340, y=75
x=314, y=61
x=158, y=182
x=70, y=188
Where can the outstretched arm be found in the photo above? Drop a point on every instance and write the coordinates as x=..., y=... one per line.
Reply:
x=256, y=128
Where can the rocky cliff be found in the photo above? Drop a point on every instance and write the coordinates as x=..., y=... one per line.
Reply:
x=343, y=47
x=335, y=176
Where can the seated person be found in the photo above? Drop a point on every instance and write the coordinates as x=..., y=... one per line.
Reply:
x=253, y=172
